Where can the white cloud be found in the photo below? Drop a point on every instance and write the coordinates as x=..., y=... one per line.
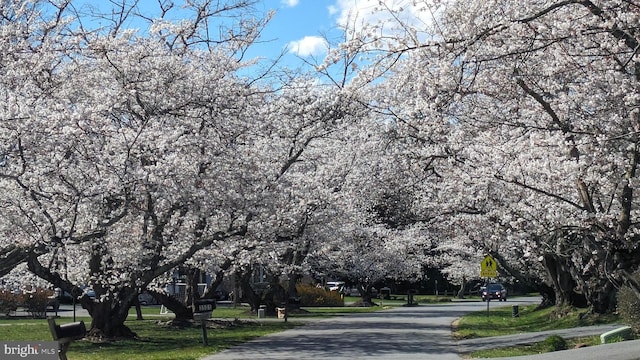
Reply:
x=357, y=14
x=308, y=45
x=290, y=3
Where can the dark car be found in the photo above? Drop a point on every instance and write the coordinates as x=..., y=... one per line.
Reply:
x=145, y=298
x=494, y=291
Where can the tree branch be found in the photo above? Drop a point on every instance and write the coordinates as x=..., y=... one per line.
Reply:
x=540, y=191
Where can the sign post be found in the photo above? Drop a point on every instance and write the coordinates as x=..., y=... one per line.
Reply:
x=202, y=309
x=488, y=269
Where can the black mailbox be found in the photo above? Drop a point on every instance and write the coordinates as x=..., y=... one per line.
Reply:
x=204, y=305
x=202, y=308
x=65, y=334
x=74, y=331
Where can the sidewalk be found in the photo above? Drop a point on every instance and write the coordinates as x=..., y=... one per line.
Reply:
x=470, y=345
x=626, y=350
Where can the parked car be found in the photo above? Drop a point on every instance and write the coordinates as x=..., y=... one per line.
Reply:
x=335, y=285
x=89, y=292
x=494, y=291
x=144, y=298
x=353, y=291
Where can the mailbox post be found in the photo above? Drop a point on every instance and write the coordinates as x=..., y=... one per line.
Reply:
x=66, y=333
x=202, y=310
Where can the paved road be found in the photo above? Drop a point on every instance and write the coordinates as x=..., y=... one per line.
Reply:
x=422, y=332
x=402, y=333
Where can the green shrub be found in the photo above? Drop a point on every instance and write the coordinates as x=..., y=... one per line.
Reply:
x=314, y=296
x=629, y=308
x=555, y=343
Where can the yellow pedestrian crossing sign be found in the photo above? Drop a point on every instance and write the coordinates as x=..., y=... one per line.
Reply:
x=488, y=267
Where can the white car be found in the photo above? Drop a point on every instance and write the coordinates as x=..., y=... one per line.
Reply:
x=335, y=285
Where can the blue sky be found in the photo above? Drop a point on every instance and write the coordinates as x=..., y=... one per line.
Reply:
x=300, y=27
x=300, y=24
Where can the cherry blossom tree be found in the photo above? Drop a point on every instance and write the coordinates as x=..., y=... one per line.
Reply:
x=124, y=150
x=367, y=238
x=153, y=154
x=538, y=100
x=301, y=160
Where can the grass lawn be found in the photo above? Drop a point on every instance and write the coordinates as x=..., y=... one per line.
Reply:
x=226, y=312
x=158, y=341
x=499, y=321
x=533, y=349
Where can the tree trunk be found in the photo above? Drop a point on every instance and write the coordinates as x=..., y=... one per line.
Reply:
x=136, y=303
x=561, y=280
x=109, y=314
x=251, y=296
x=108, y=311
x=602, y=300
x=213, y=287
x=548, y=295
x=462, y=286
x=274, y=297
x=181, y=307
x=366, y=295
x=182, y=313
x=293, y=300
